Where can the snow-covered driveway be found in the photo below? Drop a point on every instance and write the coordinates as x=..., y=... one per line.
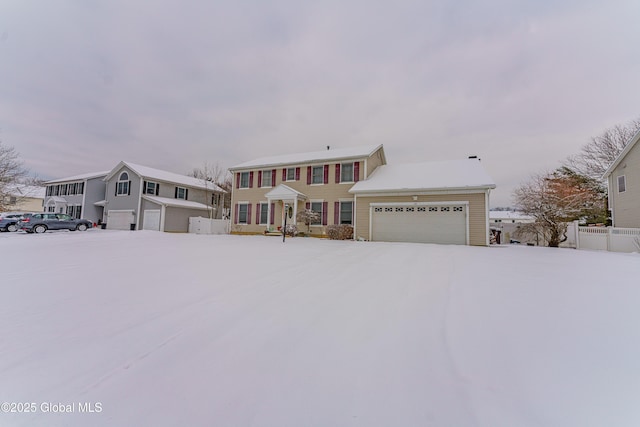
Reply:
x=156, y=329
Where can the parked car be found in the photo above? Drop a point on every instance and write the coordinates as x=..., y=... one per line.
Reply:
x=9, y=220
x=41, y=222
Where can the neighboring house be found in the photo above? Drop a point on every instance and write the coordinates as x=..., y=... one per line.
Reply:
x=623, y=179
x=443, y=202
x=319, y=181
x=77, y=196
x=437, y=202
x=140, y=197
x=27, y=198
x=508, y=222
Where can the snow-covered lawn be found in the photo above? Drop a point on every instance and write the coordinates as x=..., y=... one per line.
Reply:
x=155, y=329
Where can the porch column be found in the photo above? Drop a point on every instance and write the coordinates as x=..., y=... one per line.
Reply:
x=268, y=213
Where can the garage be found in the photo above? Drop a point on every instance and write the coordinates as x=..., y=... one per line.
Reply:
x=151, y=219
x=443, y=223
x=120, y=219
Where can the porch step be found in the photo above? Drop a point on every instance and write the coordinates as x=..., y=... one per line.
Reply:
x=273, y=233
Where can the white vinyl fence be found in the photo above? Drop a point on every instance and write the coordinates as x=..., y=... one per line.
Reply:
x=200, y=225
x=611, y=239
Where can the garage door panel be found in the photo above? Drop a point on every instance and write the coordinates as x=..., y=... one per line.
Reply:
x=120, y=219
x=423, y=224
x=151, y=220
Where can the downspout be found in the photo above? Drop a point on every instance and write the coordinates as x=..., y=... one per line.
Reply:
x=139, y=203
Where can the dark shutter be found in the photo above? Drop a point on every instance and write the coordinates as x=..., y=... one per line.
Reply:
x=258, y=212
x=356, y=171
x=251, y=179
x=248, y=213
x=284, y=174
x=186, y=194
x=144, y=187
x=238, y=179
x=175, y=193
x=116, y=192
x=308, y=175
x=157, y=189
x=337, y=173
x=273, y=178
x=325, y=208
x=259, y=179
x=336, y=213
x=307, y=206
x=297, y=174
x=129, y=189
x=326, y=174
x=273, y=212
x=235, y=216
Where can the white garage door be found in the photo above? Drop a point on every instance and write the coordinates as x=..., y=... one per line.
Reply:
x=120, y=219
x=151, y=220
x=445, y=224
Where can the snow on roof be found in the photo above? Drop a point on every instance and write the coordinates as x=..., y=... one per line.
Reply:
x=314, y=156
x=178, y=203
x=79, y=177
x=632, y=142
x=160, y=175
x=443, y=175
x=509, y=215
x=21, y=190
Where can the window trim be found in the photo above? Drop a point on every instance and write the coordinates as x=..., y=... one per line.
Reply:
x=246, y=213
x=353, y=169
x=123, y=185
x=240, y=180
x=185, y=191
x=266, y=173
x=155, y=188
x=264, y=210
x=624, y=183
x=340, y=212
x=287, y=174
x=322, y=205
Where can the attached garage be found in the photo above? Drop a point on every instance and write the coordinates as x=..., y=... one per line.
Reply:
x=151, y=219
x=120, y=219
x=444, y=223
x=430, y=202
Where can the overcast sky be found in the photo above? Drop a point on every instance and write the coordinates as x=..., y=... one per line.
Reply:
x=172, y=84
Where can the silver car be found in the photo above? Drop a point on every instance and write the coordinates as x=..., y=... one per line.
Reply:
x=9, y=220
x=41, y=222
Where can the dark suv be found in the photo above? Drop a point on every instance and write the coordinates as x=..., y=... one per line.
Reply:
x=41, y=222
x=9, y=220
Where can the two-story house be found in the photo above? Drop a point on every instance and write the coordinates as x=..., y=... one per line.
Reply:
x=623, y=179
x=319, y=181
x=77, y=196
x=144, y=198
x=135, y=197
x=431, y=202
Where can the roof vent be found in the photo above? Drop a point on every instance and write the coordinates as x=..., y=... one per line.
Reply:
x=328, y=147
x=473, y=157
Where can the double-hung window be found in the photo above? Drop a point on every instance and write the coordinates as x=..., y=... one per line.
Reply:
x=243, y=213
x=244, y=180
x=266, y=178
x=264, y=213
x=181, y=193
x=151, y=188
x=346, y=172
x=122, y=186
x=291, y=174
x=346, y=212
x=317, y=207
x=317, y=175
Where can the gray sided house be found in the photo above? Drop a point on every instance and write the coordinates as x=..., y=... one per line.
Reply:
x=623, y=180
x=78, y=196
x=142, y=198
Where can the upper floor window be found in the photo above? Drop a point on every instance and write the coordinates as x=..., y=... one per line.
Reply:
x=346, y=172
x=152, y=188
x=317, y=175
x=622, y=184
x=181, y=193
x=243, y=181
x=123, y=184
x=291, y=174
x=266, y=178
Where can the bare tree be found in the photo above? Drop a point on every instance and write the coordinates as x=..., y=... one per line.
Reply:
x=11, y=172
x=595, y=157
x=212, y=176
x=555, y=199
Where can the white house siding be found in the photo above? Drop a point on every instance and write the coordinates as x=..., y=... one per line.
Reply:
x=626, y=206
x=123, y=202
x=478, y=221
